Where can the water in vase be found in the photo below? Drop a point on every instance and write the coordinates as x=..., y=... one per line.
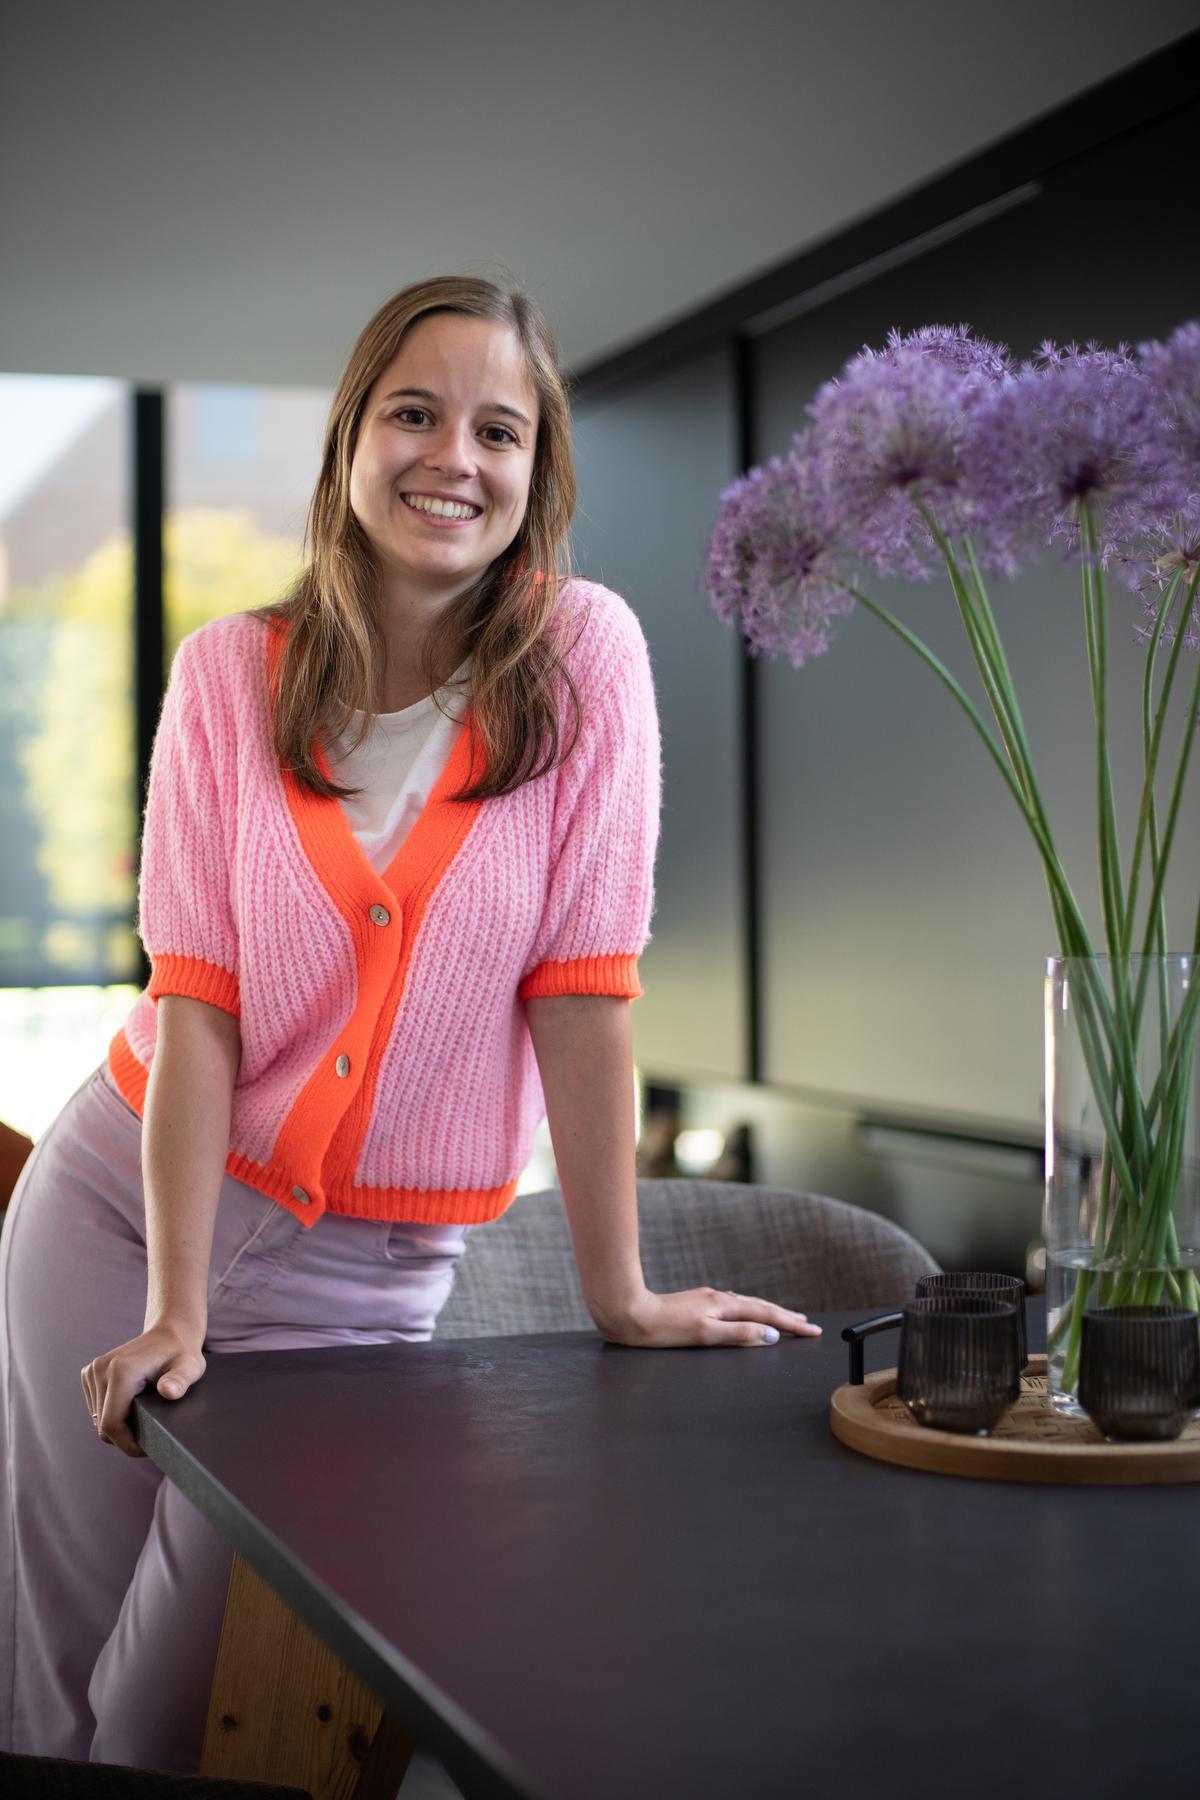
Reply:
x=1156, y=1286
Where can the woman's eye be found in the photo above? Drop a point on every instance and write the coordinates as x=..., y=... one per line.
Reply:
x=405, y=412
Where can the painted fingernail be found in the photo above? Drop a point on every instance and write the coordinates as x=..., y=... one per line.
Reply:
x=770, y=1335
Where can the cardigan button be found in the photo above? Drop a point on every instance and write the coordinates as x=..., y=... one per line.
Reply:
x=379, y=915
x=342, y=1065
x=299, y=1194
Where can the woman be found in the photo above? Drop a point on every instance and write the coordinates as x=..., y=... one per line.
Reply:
x=396, y=874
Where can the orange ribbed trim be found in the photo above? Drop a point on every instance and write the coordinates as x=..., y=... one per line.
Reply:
x=426, y=1206
x=195, y=980
x=129, y=1074
x=614, y=976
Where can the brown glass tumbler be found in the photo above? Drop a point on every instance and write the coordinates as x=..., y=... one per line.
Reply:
x=959, y=1362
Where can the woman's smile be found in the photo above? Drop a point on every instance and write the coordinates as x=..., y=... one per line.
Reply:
x=440, y=513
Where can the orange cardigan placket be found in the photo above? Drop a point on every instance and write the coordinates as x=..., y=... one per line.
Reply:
x=332, y=1109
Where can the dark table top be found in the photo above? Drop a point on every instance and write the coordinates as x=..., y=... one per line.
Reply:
x=584, y=1572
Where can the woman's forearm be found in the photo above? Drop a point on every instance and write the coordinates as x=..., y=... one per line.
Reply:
x=584, y=1048
x=185, y=1143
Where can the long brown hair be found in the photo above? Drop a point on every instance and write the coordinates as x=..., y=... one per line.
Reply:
x=509, y=617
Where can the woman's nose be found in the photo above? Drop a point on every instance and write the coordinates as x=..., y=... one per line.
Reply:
x=452, y=448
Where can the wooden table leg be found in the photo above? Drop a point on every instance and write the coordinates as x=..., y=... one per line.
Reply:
x=284, y=1708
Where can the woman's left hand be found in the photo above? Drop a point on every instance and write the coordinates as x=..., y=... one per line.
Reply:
x=702, y=1316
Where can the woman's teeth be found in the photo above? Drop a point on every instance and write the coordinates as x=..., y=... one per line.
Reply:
x=441, y=509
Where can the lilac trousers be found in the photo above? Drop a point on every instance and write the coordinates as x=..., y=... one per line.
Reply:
x=112, y=1586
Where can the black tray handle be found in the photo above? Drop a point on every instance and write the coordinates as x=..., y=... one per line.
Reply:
x=854, y=1335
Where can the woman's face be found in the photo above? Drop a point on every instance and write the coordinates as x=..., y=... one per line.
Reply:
x=468, y=435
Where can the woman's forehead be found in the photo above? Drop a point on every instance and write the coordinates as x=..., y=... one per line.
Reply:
x=444, y=352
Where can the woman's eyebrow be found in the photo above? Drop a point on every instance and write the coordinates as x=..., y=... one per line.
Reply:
x=487, y=406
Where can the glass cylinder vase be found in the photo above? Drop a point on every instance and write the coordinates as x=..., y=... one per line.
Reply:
x=1122, y=1210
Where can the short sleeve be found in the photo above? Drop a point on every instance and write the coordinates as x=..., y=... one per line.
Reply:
x=596, y=918
x=185, y=918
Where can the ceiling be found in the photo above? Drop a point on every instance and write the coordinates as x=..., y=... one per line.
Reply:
x=226, y=191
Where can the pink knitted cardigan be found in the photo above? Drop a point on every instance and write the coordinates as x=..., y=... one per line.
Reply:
x=387, y=1070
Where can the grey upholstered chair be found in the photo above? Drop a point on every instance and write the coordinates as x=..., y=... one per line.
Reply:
x=802, y=1251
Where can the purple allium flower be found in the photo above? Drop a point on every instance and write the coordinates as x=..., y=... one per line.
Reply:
x=972, y=356
x=1070, y=426
x=771, y=565
x=1159, y=530
x=1001, y=453
x=1151, y=549
x=1170, y=631
x=1173, y=373
x=895, y=424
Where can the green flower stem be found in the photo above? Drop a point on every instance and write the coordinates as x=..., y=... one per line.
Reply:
x=1114, y=1158
x=1189, y=736
x=1152, y=1256
x=1142, y=1152
x=1151, y=744
x=1160, y=917
x=1171, y=1087
x=1166, y=1241
x=1156, y=913
x=997, y=682
x=984, y=639
x=1074, y=1318
x=1102, y=1086
x=1125, y=1151
x=1073, y=923
x=1096, y=628
x=1180, y=1034
x=1150, y=1242
x=1045, y=847
x=998, y=659
x=1095, y=612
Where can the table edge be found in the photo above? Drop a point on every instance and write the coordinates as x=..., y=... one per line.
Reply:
x=435, y=1720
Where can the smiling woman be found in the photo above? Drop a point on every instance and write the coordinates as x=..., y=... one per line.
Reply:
x=367, y=995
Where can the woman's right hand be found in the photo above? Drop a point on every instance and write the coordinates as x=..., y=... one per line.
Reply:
x=163, y=1355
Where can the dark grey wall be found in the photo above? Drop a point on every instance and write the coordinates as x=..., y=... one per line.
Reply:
x=650, y=460
x=905, y=918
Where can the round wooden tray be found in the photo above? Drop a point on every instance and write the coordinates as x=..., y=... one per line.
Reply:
x=1031, y=1442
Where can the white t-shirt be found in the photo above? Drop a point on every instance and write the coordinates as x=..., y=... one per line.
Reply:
x=397, y=768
